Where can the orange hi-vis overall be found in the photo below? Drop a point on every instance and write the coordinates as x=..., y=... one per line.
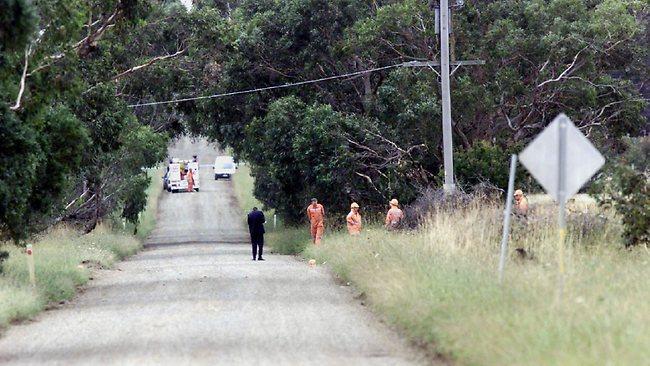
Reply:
x=316, y=215
x=393, y=217
x=190, y=180
x=354, y=223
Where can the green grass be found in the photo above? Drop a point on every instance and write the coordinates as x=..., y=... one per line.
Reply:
x=439, y=285
x=289, y=240
x=243, y=184
x=149, y=215
x=64, y=260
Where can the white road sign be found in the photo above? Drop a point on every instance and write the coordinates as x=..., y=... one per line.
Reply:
x=542, y=158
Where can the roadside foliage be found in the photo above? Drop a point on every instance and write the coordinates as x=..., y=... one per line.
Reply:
x=72, y=150
x=376, y=136
x=77, y=149
x=367, y=138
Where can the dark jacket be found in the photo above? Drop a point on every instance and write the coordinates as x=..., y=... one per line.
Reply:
x=256, y=222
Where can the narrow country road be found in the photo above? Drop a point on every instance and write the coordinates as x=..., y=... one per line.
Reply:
x=193, y=296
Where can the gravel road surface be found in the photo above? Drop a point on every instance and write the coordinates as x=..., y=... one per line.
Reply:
x=194, y=296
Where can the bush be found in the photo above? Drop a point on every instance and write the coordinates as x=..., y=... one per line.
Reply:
x=315, y=151
x=3, y=256
x=484, y=162
x=626, y=187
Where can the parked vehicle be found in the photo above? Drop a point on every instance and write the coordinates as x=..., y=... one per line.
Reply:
x=176, y=181
x=224, y=167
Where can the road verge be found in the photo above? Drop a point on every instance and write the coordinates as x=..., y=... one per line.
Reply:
x=65, y=259
x=439, y=285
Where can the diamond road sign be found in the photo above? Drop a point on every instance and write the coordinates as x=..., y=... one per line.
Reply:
x=542, y=158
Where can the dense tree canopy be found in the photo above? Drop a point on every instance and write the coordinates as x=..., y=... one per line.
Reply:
x=71, y=147
x=70, y=71
x=379, y=133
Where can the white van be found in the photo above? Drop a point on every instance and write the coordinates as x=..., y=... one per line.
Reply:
x=177, y=182
x=224, y=167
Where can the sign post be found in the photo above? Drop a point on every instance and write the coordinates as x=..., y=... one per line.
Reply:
x=506, y=217
x=562, y=198
x=562, y=160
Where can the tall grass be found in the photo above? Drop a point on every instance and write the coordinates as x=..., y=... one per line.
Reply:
x=148, y=216
x=289, y=240
x=439, y=285
x=64, y=259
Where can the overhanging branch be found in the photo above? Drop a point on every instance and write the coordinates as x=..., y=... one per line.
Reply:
x=147, y=64
x=16, y=106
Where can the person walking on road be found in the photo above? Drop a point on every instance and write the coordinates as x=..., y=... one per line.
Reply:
x=256, y=222
x=316, y=215
x=394, y=216
x=354, y=220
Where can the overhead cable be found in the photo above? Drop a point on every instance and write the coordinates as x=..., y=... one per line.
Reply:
x=289, y=85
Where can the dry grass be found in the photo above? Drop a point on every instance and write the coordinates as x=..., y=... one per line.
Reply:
x=64, y=259
x=440, y=285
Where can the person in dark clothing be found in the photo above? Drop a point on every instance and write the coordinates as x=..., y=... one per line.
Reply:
x=256, y=222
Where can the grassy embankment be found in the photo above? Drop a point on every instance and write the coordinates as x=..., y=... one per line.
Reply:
x=439, y=285
x=243, y=185
x=64, y=260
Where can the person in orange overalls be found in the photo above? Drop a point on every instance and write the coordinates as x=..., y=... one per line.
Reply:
x=316, y=215
x=190, y=180
x=521, y=204
x=394, y=216
x=354, y=220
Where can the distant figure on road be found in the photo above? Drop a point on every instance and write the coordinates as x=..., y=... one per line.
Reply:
x=521, y=204
x=316, y=215
x=256, y=222
x=190, y=180
x=354, y=220
x=394, y=216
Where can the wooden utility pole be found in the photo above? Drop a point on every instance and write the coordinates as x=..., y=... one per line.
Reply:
x=443, y=27
x=447, y=142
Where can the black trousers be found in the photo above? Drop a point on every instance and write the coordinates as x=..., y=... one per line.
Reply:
x=257, y=240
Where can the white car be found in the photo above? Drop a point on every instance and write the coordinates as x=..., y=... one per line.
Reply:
x=224, y=167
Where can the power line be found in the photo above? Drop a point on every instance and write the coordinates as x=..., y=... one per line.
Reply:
x=248, y=91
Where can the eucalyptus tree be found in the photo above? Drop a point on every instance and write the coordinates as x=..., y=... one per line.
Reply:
x=583, y=58
x=71, y=146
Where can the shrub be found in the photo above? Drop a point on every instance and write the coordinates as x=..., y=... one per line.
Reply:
x=3, y=256
x=482, y=163
x=626, y=187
